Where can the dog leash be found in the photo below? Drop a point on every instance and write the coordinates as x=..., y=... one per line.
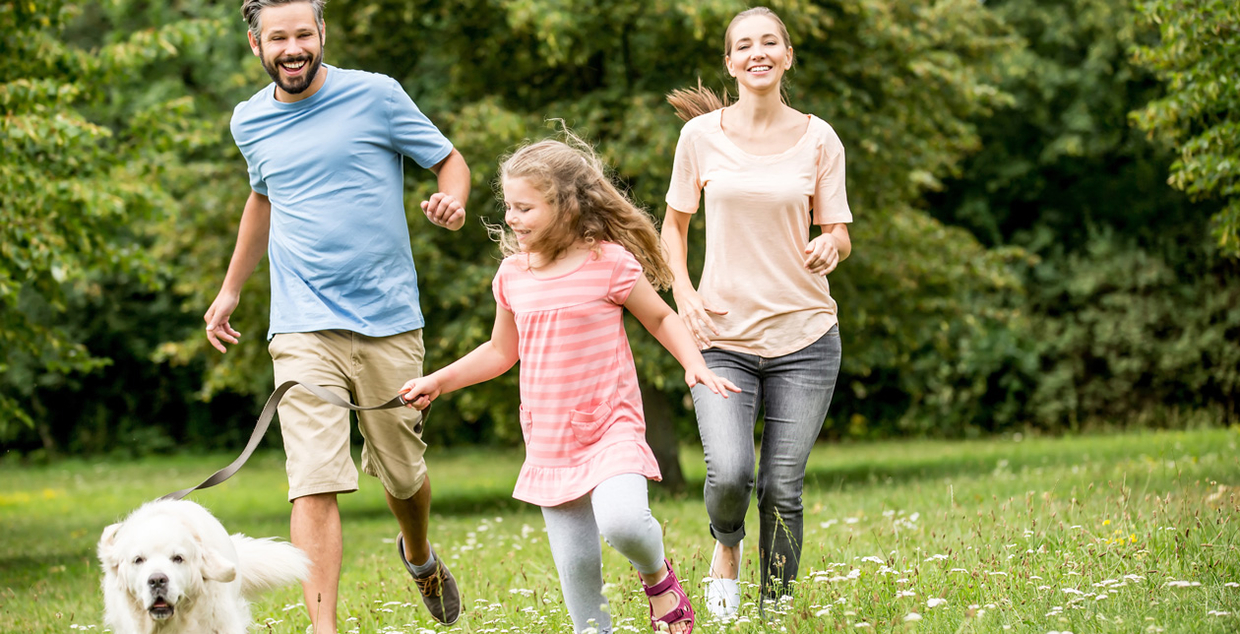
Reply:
x=264, y=421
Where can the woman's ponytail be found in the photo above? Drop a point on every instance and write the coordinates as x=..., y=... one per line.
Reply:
x=694, y=102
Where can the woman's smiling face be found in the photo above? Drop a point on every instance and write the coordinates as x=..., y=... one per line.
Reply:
x=758, y=56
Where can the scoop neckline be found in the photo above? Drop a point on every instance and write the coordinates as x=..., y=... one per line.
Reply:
x=529, y=270
x=805, y=135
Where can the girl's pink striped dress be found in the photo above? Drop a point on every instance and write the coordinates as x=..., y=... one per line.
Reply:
x=581, y=409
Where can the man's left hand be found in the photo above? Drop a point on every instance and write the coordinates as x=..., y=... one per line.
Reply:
x=444, y=210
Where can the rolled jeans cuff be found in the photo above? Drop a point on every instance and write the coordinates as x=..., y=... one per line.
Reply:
x=729, y=539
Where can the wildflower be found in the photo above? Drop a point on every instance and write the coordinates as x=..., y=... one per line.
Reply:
x=935, y=602
x=1183, y=584
x=912, y=616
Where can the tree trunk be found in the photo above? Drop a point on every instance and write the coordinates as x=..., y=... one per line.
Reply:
x=661, y=434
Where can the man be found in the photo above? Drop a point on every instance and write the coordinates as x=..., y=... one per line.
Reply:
x=324, y=148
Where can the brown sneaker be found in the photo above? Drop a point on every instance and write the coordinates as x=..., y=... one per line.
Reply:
x=439, y=592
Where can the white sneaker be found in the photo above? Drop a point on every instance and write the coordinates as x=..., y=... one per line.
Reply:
x=723, y=596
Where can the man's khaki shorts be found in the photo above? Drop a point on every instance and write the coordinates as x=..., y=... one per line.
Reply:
x=368, y=371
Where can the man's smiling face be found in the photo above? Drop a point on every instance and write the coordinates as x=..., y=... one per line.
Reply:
x=290, y=46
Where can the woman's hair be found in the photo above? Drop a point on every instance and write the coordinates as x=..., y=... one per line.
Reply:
x=693, y=102
x=585, y=205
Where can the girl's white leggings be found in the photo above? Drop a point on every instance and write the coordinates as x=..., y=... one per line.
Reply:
x=619, y=510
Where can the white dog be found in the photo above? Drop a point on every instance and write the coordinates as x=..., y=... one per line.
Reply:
x=170, y=567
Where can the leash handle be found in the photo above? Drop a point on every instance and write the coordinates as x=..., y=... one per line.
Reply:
x=264, y=421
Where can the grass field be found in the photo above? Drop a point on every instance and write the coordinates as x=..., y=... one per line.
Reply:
x=1116, y=533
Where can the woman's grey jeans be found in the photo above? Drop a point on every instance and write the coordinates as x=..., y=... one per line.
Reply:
x=794, y=392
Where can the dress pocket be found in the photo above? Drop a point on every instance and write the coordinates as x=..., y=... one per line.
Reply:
x=589, y=426
x=527, y=423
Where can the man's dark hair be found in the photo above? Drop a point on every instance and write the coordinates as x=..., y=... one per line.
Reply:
x=250, y=10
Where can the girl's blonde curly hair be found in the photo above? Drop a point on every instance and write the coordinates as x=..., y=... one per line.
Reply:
x=585, y=205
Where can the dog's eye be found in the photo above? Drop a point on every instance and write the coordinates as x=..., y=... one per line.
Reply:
x=137, y=561
x=177, y=559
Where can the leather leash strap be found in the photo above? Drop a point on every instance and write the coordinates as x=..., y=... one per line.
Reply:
x=264, y=420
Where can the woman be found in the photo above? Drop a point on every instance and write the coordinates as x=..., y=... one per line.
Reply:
x=763, y=312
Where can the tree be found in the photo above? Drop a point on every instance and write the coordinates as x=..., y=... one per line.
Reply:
x=80, y=181
x=1060, y=159
x=903, y=84
x=1197, y=56
x=899, y=81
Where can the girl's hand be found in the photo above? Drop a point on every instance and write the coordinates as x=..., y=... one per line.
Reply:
x=697, y=317
x=712, y=381
x=822, y=255
x=418, y=393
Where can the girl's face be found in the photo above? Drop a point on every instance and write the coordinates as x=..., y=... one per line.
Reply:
x=525, y=210
x=759, y=56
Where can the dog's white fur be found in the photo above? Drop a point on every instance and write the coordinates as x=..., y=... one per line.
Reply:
x=171, y=568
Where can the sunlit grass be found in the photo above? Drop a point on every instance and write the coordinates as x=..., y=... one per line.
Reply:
x=1123, y=533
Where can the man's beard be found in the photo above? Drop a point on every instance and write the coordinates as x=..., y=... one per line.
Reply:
x=294, y=85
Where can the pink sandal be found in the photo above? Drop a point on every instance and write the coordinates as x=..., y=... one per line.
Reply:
x=683, y=610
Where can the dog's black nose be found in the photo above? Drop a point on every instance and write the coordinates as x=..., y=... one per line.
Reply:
x=158, y=581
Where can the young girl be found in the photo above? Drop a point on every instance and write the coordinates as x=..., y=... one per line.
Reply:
x=575, y=259
x=763, y=311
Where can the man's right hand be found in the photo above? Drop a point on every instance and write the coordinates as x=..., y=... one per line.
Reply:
x=219, y=330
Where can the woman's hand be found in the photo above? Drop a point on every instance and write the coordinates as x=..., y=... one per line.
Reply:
x=697, y=317
x=822, y=255
x=418, y=393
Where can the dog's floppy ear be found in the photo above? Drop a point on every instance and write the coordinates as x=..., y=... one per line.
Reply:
x=216, y=567
x=107, y=550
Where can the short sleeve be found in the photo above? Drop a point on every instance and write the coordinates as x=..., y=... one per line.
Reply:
x=830, y=197
x=257, y=182
x=684, y=193
x=624, y=276
x=412, y=133
x=498, y=289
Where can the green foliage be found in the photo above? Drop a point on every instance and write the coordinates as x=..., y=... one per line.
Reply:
x=1060, y=160
x=1007, y=118
x=1115, y=320
x=1197, y=56
x=79, y=178
x=898, y=81
x=1062, y=174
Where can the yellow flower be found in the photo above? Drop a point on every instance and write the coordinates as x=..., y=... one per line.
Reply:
x=1106, y=522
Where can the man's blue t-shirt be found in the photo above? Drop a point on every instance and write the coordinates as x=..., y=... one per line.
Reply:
x=331, y=164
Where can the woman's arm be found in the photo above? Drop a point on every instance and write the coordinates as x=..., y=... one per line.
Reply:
x=483, y=363
x=666, y=326
x=825, y=252
x=696, y=315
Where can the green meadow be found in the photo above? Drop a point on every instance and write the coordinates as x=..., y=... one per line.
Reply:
x=1134, y=532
